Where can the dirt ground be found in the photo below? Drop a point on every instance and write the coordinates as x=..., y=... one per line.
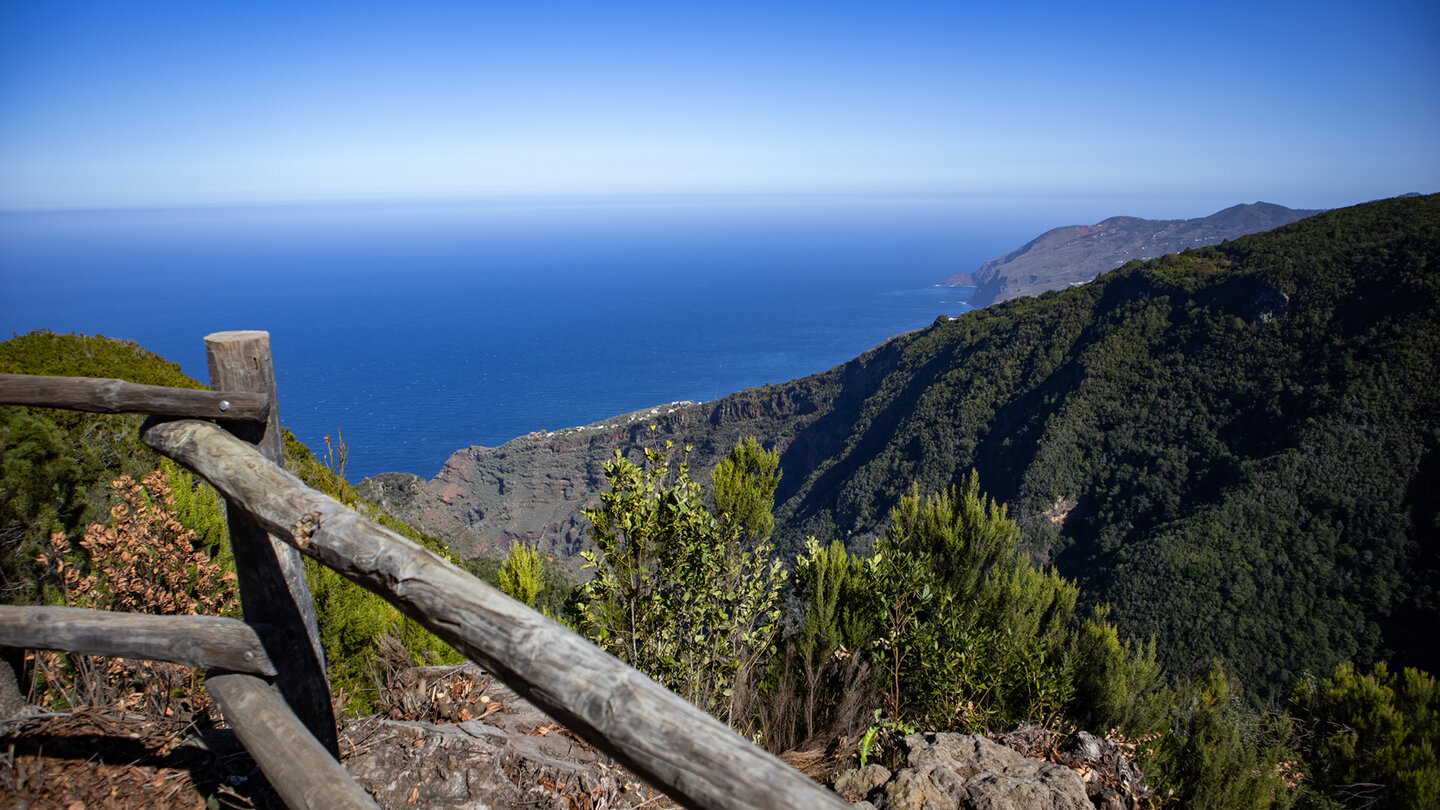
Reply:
x=448, y=737
x=445, y=737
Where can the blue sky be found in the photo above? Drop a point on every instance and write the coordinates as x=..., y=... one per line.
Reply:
x=1157, y=106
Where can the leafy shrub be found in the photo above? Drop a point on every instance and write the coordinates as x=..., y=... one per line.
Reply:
x=970, y=633
x=1372, y=739
x=522, y=575
x=1118, y=687
x=946, y=625
x=688, y=596
x=1222, y=754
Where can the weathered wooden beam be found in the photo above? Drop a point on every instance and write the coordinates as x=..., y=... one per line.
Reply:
x=270, y=573
x=201, y=642
x=692, y=756
x=101, y=395
x=297, y=766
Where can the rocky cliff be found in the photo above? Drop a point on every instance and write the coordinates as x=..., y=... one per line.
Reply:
x=1076, y=254
x=532, y=489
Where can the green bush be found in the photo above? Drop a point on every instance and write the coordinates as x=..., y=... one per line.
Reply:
x=41, y=492
x=971, y=634
x=1372, y=738
x=558, y=587
x=1221, y=754
x=1118, y=686
x=686, y=595
x=521, y=575
x=945, y=625
x=823, y=688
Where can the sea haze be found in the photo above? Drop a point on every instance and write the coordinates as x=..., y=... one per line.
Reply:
x=418, y=329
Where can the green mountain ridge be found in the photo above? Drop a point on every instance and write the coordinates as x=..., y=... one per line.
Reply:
x=1235, y=446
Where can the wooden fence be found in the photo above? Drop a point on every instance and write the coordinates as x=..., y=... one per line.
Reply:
x=267, y=672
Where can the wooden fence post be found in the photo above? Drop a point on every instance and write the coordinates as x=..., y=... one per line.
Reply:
x=270, y=572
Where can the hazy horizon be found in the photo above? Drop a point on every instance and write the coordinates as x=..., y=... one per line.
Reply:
x=1044, y=211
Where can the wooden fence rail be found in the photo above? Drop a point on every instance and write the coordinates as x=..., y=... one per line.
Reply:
x=118, y=396
x=693, y=757
x=200, y=642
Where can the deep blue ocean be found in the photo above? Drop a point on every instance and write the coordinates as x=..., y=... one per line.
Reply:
x=421, y=328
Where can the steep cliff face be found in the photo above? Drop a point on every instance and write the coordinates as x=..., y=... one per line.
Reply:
x=1075, y=254
x=532, y=489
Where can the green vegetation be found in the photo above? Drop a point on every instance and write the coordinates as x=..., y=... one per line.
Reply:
x=945, y=626
x=39, y=494
x=969, y=633
x=1220, y=753
x=1118, y=685
x=687, y=594
x=1375, y=738
x=522, y=574
x=556, y=586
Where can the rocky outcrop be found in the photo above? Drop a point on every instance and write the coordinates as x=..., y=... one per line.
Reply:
x=1111, y=780
x=966, y=772
x=410, y=498
x=1075, y=254
x=531, y=490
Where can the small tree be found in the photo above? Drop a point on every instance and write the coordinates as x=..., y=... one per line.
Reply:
x=1118, y=686
x=686, y=594
x=970, y=633
x=1373, y=737
x=522, y=575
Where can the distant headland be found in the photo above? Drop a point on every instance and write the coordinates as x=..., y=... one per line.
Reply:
x=1075, y=254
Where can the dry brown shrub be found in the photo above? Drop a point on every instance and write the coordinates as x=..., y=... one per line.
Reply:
x=142, y=561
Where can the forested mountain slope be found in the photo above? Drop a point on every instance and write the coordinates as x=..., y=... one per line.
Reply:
x=1234, y=446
